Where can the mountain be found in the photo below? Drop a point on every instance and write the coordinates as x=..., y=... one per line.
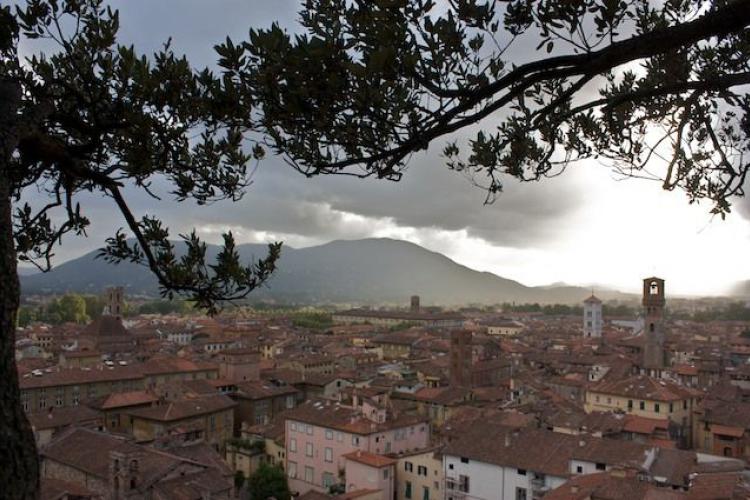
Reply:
x=368, y=271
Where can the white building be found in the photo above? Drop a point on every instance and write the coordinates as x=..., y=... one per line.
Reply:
x=592, y=317
x=489, y=462
x=504, y=327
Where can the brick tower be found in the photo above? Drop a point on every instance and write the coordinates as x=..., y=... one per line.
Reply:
x=653, y=328
x=460, y=357
x=415, y=303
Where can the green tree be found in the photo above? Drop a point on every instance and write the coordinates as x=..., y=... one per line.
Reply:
x=27, y=315
x=268, y=481
x=94, y=305
x=94, y=116
x=71, y=308
x=626, y=83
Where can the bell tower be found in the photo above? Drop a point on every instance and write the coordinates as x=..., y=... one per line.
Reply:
x=653, y=327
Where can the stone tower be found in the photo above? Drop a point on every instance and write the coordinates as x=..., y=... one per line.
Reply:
x=460, y=357
x=115, y=300
x=415, y=303
x=653, y=327
x=592, y=317
x=125, y=474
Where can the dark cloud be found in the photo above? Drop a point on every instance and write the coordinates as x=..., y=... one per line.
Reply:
x=283, y=202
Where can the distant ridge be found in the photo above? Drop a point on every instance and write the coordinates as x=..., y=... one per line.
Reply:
x=367, y=271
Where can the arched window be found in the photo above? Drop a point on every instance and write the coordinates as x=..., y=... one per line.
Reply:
x=654, y=288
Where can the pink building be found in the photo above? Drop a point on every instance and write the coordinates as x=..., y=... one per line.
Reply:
x=367, y=471
x=319, y=434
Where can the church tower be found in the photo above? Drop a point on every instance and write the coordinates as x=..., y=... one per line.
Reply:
x=115, y=302
x=653, y=328
x=592, y=317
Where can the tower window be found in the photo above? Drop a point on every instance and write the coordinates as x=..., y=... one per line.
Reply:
x=651, y=327
x=654, y=288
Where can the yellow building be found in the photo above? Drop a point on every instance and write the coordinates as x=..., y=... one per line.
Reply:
x=648, y=397
x=419, y=475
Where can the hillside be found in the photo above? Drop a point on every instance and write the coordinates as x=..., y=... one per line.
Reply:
x=358, y=271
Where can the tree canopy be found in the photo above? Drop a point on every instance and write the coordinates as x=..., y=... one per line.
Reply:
x=269, y=481
x=95, y=116
x=654, y=89
x=89, y=115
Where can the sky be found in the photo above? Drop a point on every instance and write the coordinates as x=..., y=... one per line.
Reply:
x=587, y=226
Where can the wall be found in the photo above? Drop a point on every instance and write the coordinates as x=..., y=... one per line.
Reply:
x=363, y=477
x=434, y=479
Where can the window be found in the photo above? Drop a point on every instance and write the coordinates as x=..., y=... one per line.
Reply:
x=355, y=440
x=329, y=434
x=328, y=480
x=408, y=466
x=421, y=470
x=407, y=490
x=463, y=483
x=684, y=405
x=328, y=455
x=464, y=460
x=290, y=400
x=309, y=449
x=656, y=407
x=450, y=466
x=642, y=405
x=425, y=493
x=521, y=494
x=385, y=473
x=291, y=469
x=521, y=472
x=630, y=404
x=579, y=469
x=339, y=437
x=309, y=474
x=671, y=407
x=292, y=445
x=309, y=430
x=601, y=466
